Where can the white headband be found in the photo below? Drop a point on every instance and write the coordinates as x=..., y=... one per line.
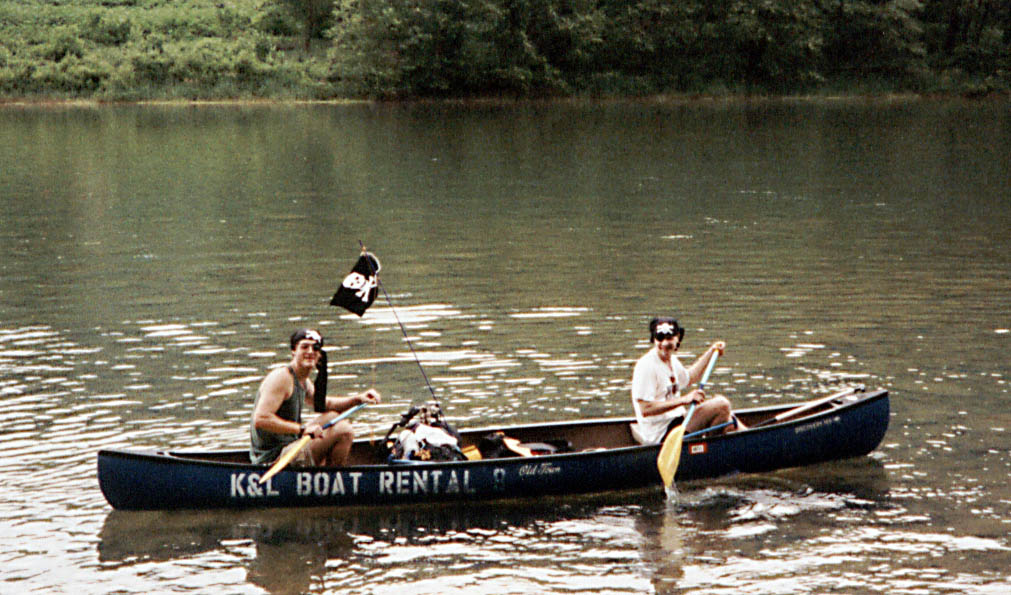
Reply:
x=664, y=328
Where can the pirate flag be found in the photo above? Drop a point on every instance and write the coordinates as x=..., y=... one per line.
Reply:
x=360, y=287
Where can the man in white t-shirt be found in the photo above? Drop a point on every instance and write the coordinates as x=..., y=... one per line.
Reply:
x=659, y=379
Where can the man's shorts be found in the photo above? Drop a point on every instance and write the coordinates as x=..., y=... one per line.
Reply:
x=674, y=423
x=302, y=459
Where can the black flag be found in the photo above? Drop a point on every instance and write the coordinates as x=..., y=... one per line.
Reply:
x=360, y=287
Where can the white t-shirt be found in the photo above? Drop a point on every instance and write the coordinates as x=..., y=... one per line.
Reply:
x=655, y=380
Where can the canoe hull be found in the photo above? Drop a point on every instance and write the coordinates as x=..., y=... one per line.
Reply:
x=841, y=433
x=159, y=480
x=139, y=481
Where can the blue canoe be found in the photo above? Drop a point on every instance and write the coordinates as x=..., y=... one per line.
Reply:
x=604, y=457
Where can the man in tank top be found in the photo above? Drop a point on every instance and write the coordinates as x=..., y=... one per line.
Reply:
x=659, y=379
x=276, y=422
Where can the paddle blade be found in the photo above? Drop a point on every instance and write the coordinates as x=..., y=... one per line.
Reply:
x=286, y=458
x=670, y=455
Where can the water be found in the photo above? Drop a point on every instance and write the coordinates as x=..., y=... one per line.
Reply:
x=156, y=258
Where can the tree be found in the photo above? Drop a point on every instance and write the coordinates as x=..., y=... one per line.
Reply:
x=315, y=16
x=461, y=47
x=972, y=35
x=874, y=37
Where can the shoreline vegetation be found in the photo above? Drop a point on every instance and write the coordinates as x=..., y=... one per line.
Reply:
x=249, y=52
x=662, y=99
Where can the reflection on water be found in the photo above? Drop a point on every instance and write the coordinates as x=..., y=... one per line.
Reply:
x=431, y=549
x=808, y=531
x=798, y=529
x=155, y=260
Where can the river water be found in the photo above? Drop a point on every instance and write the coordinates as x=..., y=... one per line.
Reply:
x=155, y=259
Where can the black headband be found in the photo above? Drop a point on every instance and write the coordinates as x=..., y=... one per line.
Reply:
x=305, y=333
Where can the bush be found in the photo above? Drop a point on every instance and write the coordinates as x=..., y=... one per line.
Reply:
x=864, y=37
x=71, y=77
x=151, y=65
x=314, y=16
x=459, y=47
x=274, y=19
x=64, y=41
x=189, y=24
x=107, y=28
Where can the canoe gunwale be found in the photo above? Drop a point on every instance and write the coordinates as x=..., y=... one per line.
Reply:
x=203, y=457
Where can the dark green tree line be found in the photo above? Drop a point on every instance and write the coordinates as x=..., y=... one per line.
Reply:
x=412, y=47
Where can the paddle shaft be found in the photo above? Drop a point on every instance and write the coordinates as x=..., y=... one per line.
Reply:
x=344, y=415
x=709, y=369
x=711, y=429
x=684, y=427
x=808, y=406
x=702, y=384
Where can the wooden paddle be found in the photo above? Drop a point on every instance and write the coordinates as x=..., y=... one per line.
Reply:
x=282, y=462
x=808, y=406
x=670, y=453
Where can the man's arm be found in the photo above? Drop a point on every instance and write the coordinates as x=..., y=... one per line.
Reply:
x=342, y=404
x=699, y=367
x=651, y=408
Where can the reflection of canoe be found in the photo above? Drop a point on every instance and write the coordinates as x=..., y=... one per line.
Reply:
x=604, y=457
x=126, y=537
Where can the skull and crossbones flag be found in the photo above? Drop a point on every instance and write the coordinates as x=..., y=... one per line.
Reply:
x=359, y=288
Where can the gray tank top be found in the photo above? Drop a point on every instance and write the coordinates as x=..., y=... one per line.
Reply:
x=267, y=446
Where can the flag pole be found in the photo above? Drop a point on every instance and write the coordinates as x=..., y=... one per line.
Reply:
x=403, y=330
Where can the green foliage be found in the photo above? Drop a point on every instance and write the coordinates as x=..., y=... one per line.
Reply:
x=143, y=49
x=462, y=47
x=969, y=40
x=776, y=43
x=107, y=28
x=274, y=18
x=63, y=43
x=699, y=44
x=315, y=16
x=72, y=76
x=407, y=47
x=138, y=49
x=878, y=38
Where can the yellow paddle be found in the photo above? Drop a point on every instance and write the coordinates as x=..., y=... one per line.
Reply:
x=670, y=453
x=282, y=462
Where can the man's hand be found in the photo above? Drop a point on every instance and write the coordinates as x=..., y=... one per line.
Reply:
x=313, y=429
x=370, y=396
x=696, y=396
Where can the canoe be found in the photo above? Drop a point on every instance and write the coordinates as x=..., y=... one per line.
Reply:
x=604, y=456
